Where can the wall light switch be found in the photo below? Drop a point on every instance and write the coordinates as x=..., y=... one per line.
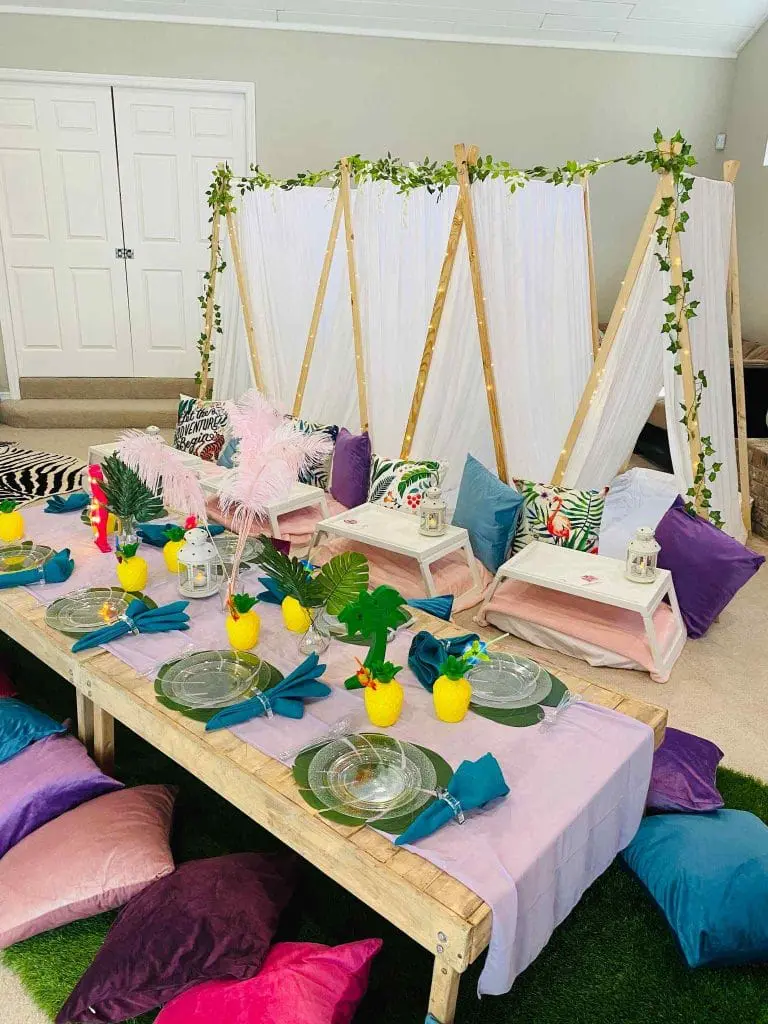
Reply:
x=720, y=141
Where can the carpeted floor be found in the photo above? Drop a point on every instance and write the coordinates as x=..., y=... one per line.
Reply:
x=612, y=962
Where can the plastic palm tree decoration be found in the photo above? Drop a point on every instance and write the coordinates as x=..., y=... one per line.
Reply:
x=370, y=617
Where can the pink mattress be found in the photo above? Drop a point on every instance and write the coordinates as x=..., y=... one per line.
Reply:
x=602, y=629
x=451, y=574
x=297, y=527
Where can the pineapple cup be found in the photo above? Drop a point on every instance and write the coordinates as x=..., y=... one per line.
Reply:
x=452, y=693
x=242, y=623
x=383, y=694
x=172, y=547
x=295, y=616
x=11, y=522
x=132, y=569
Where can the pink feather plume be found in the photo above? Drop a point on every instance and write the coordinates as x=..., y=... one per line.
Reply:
x=159, y=465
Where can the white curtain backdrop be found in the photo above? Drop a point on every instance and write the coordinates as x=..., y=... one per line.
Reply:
x=706, y=246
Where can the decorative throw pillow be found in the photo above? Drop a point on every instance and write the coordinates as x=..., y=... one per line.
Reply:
x=351, y=468
x=89, y=860
x=489, y=510
x=684, y=773
x=201, y=428
x=21, y=725
x=228, y=452
x=709, y=875
x=563, y=516
x=319, y=473
x=211, y=920
x=300, y=983
x=45, y=780
x=402, y=483
x=708, y=567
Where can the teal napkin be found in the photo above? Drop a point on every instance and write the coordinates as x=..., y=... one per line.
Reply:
x=473, y=785
x=56, y=570
x=154, y=533
x=440, y=607
x=287, y=698
x=427, y=654
x=272, y=594
x=138, y=619
x=73, y=503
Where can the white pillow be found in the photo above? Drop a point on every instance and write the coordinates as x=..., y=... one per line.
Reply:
x=639, y=497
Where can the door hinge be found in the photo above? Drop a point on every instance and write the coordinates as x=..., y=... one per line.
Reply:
x=124, y=254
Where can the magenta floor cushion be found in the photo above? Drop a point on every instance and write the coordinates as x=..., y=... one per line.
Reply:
x=45, y=780
x=211, y=920
x=684, y=773
x=300, y=983
x=91, y=859
x=708, y=567
x=7, y=689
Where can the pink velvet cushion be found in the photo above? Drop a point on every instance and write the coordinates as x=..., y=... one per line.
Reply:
x=89, y=860
x=300, y=983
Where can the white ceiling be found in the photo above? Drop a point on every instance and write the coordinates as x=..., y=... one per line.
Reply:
x=718, y=27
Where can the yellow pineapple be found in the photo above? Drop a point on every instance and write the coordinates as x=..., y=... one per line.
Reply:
x=295, y=616
x=383, y=694
x=132, y=569
x=452, y=692
x=11, y=522
x=176, y=541
x=242, y=623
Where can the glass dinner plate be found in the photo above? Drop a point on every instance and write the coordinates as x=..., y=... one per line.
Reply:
x=213, y=679
x=82, y=611
x=226, y=544
x=509, y=681
x=23, y=555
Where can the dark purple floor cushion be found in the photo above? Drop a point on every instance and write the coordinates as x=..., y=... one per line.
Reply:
x=211, y=920
x=684, y=773
x=708, y=567
x=45, y=780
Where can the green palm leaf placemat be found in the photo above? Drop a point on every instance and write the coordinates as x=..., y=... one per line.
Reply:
x=521, y=717
x=264, y=681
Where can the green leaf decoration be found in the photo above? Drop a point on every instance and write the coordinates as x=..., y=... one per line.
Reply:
x=127, y=495
x=290, y=575
x=342, y=579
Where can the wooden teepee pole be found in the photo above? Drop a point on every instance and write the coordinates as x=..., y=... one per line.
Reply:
x=465, y=196
x=317, y=310
x=591, y=269
x=357, y=327
x=730, y=170
x=245, y=300
x=209, y=306
x=435, y=318
x=617, y=316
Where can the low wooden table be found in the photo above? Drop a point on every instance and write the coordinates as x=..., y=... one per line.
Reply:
x=426, y=903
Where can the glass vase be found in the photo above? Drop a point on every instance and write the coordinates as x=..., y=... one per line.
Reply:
x=126, y=531
x=317, y=638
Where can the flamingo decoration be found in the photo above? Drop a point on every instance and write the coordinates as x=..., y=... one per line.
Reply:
x=558, y=524
x=98, y=508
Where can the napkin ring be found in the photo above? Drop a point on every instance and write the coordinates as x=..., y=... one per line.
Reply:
x=265, y=703
x=455, y=806
x=129, y=622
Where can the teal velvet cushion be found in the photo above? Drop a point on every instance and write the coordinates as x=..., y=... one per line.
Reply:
x=21, y=725
x=709, y=875
x=489, y=510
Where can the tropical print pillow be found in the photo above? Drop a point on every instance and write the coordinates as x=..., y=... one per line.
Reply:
x=563, y=516
x=401, y=483
x=318, y=473
x=202, y=428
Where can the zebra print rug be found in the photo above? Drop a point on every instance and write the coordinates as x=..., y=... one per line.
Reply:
x=26, y=474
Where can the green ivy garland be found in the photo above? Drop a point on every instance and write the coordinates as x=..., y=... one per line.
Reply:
x=436, y=177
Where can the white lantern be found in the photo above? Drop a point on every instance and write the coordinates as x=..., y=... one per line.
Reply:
x=198, y=565
x=432, y=512
x=642, y=555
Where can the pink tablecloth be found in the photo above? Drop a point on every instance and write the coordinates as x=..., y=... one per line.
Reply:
x=577, y=791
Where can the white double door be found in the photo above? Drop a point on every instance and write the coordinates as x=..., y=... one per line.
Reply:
x=104, y=224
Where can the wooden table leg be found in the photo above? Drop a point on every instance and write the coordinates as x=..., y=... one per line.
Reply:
x=443, y=994
x=103, y=740
x=85, y=720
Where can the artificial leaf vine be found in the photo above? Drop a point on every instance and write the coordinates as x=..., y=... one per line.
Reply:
x=436, y=177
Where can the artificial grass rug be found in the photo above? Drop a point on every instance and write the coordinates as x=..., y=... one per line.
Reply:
x=613, y=961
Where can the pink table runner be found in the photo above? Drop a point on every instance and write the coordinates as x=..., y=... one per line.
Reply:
x=577, y=791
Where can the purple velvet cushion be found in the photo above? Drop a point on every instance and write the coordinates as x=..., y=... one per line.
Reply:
x=708, y=567
x=351, y=468
x=211, y=920
x=45, y=780
x=684, y=773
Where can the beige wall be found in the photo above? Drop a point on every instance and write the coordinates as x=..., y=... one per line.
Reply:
x=747, y=137
x=321, y=96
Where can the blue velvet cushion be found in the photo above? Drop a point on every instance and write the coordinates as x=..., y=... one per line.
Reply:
x=489, y=510
x=21, y=725
x=228, y=453
x=709, y=875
